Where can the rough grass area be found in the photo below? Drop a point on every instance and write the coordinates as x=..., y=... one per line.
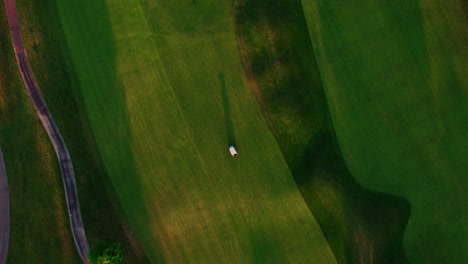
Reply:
x=150, y=75
x=38, y=214
x=396, y=78
x=40, y=225
x=463, y=7
x=361, y=226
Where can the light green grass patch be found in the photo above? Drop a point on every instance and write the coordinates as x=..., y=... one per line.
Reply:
x=149, y=78
x=396, y=80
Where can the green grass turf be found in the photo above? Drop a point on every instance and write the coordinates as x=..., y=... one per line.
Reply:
x=361, y=226
x=149, y=76
x=396, y=80
x=40, y=225
x=463, y=6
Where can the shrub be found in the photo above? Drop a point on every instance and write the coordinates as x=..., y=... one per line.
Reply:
x=105, y=253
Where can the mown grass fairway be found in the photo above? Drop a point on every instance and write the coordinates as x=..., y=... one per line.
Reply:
x=361, y=226
x=148, y=73
x=396, y=79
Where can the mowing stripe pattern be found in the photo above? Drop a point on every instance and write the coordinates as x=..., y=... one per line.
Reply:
x=395, y=75
x=149, y=75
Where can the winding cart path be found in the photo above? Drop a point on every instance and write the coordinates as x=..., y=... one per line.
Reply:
x=43, y=113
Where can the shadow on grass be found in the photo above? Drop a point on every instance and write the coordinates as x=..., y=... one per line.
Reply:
x=99, y=180
x=265, y=248
x=230, y=137
x=361, y=226
x=375, y=222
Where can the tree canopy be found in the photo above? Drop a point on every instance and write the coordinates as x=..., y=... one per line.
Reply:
x=105, y=252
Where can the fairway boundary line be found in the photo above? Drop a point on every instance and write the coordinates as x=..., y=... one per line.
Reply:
x=63, y=156
x=249, y=76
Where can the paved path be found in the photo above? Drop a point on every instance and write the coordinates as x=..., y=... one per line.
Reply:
x=4, y=212
x=61, y=150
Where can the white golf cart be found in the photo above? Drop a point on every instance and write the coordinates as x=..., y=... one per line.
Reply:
x=233, y=150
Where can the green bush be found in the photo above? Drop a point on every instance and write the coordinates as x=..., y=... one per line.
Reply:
x=106, y=253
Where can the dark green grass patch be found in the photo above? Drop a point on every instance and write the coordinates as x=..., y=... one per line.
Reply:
x=361, y=226
x=230, y=135
x=463, y=6
x=396, y=80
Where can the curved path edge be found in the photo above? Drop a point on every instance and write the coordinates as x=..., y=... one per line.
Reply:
x=4, y=212
x=66, y=167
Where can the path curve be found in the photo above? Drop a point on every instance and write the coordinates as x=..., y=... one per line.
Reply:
x=4, y=212
x=61, y=150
